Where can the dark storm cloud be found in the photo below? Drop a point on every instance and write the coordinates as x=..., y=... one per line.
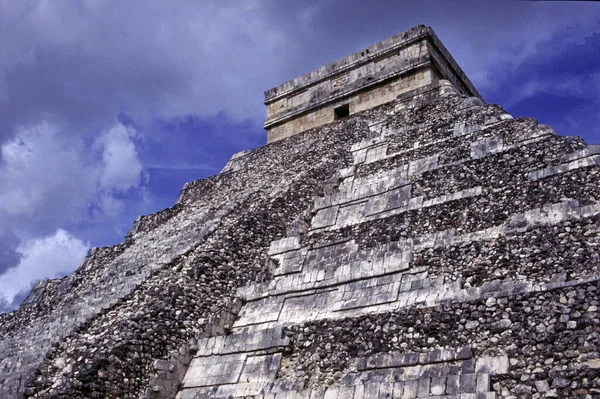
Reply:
x=83, y=62
x=8, y=246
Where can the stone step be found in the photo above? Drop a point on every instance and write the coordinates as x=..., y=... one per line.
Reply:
x=243, y=340
x=340, y=263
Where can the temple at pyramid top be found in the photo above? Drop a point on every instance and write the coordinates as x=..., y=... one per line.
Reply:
x=412, y=61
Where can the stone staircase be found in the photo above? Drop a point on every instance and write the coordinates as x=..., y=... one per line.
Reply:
x=327, y=275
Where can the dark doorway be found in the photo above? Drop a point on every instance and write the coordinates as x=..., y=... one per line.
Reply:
x=342, y=111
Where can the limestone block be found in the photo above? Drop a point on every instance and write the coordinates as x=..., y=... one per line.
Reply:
x=492, y=365
x=345, y=391
x=397, y=261
x=423, y=388
x=411, y=388
x=422, y=165
x=238, y=161
x=366, y=144
x=302, y=394
x=377, y=153
x=261, y=368
x=331, y=393
x=483, y=382
x=251, y=339
x=487, y=146
x=260, y=311
x=393, y=199
x=35, y=295
x=463, y=129
x=284, y=245
x=350, y=214
x=290, y=262
x=391, y=359
x=539, y=131
x=300, y=308
x=398, y=390
x=359, y=156
x=359, y=392
x=214, y=370
x=438, y=386
x=377, y=389
x=325, y=217
x=586, y=152
x=589, y=161
x=288, y=385
x=468, y=383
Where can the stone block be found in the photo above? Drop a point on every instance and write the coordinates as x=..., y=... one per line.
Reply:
x=331, y=393
x=483, y=382
x=497, y=365
x=317, y=393
x=284, y=245
x=423, y=165
x=162, y=365
x=345, y=392
x=351, y=379
x=486, y=146
x=302, y=394
x=324, y=218
x=371, y=389
x=261, y=368
x=423, y=387
x=398, y=390
x=350, y=214
x=411, y=388
x=467, y=383
x=386, y=390
x=438, y=385
x=375, y=154
x=214, y=370
x=453, y=384
x=359, y=392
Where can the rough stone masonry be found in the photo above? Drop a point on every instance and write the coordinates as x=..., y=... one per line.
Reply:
x=425, y=245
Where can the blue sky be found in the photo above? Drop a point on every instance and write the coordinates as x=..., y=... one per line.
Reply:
x=108, y=107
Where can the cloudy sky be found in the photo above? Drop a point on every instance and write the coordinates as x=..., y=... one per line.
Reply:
x=108, y=107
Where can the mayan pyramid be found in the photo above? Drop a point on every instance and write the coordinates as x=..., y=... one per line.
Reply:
x=396, y=238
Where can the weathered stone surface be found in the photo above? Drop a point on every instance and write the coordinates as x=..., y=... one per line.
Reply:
x=402, y=65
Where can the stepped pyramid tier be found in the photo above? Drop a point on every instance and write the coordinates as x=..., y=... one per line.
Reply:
x=431, y=246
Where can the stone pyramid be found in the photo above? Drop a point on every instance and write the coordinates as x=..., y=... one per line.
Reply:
x=397, y=238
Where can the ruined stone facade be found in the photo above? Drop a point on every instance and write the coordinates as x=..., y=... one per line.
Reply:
x=428, y=247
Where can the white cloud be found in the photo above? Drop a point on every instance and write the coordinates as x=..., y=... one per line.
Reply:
x=45, y=177
x=122, y=169
x=41, y=258
x=50, y=179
